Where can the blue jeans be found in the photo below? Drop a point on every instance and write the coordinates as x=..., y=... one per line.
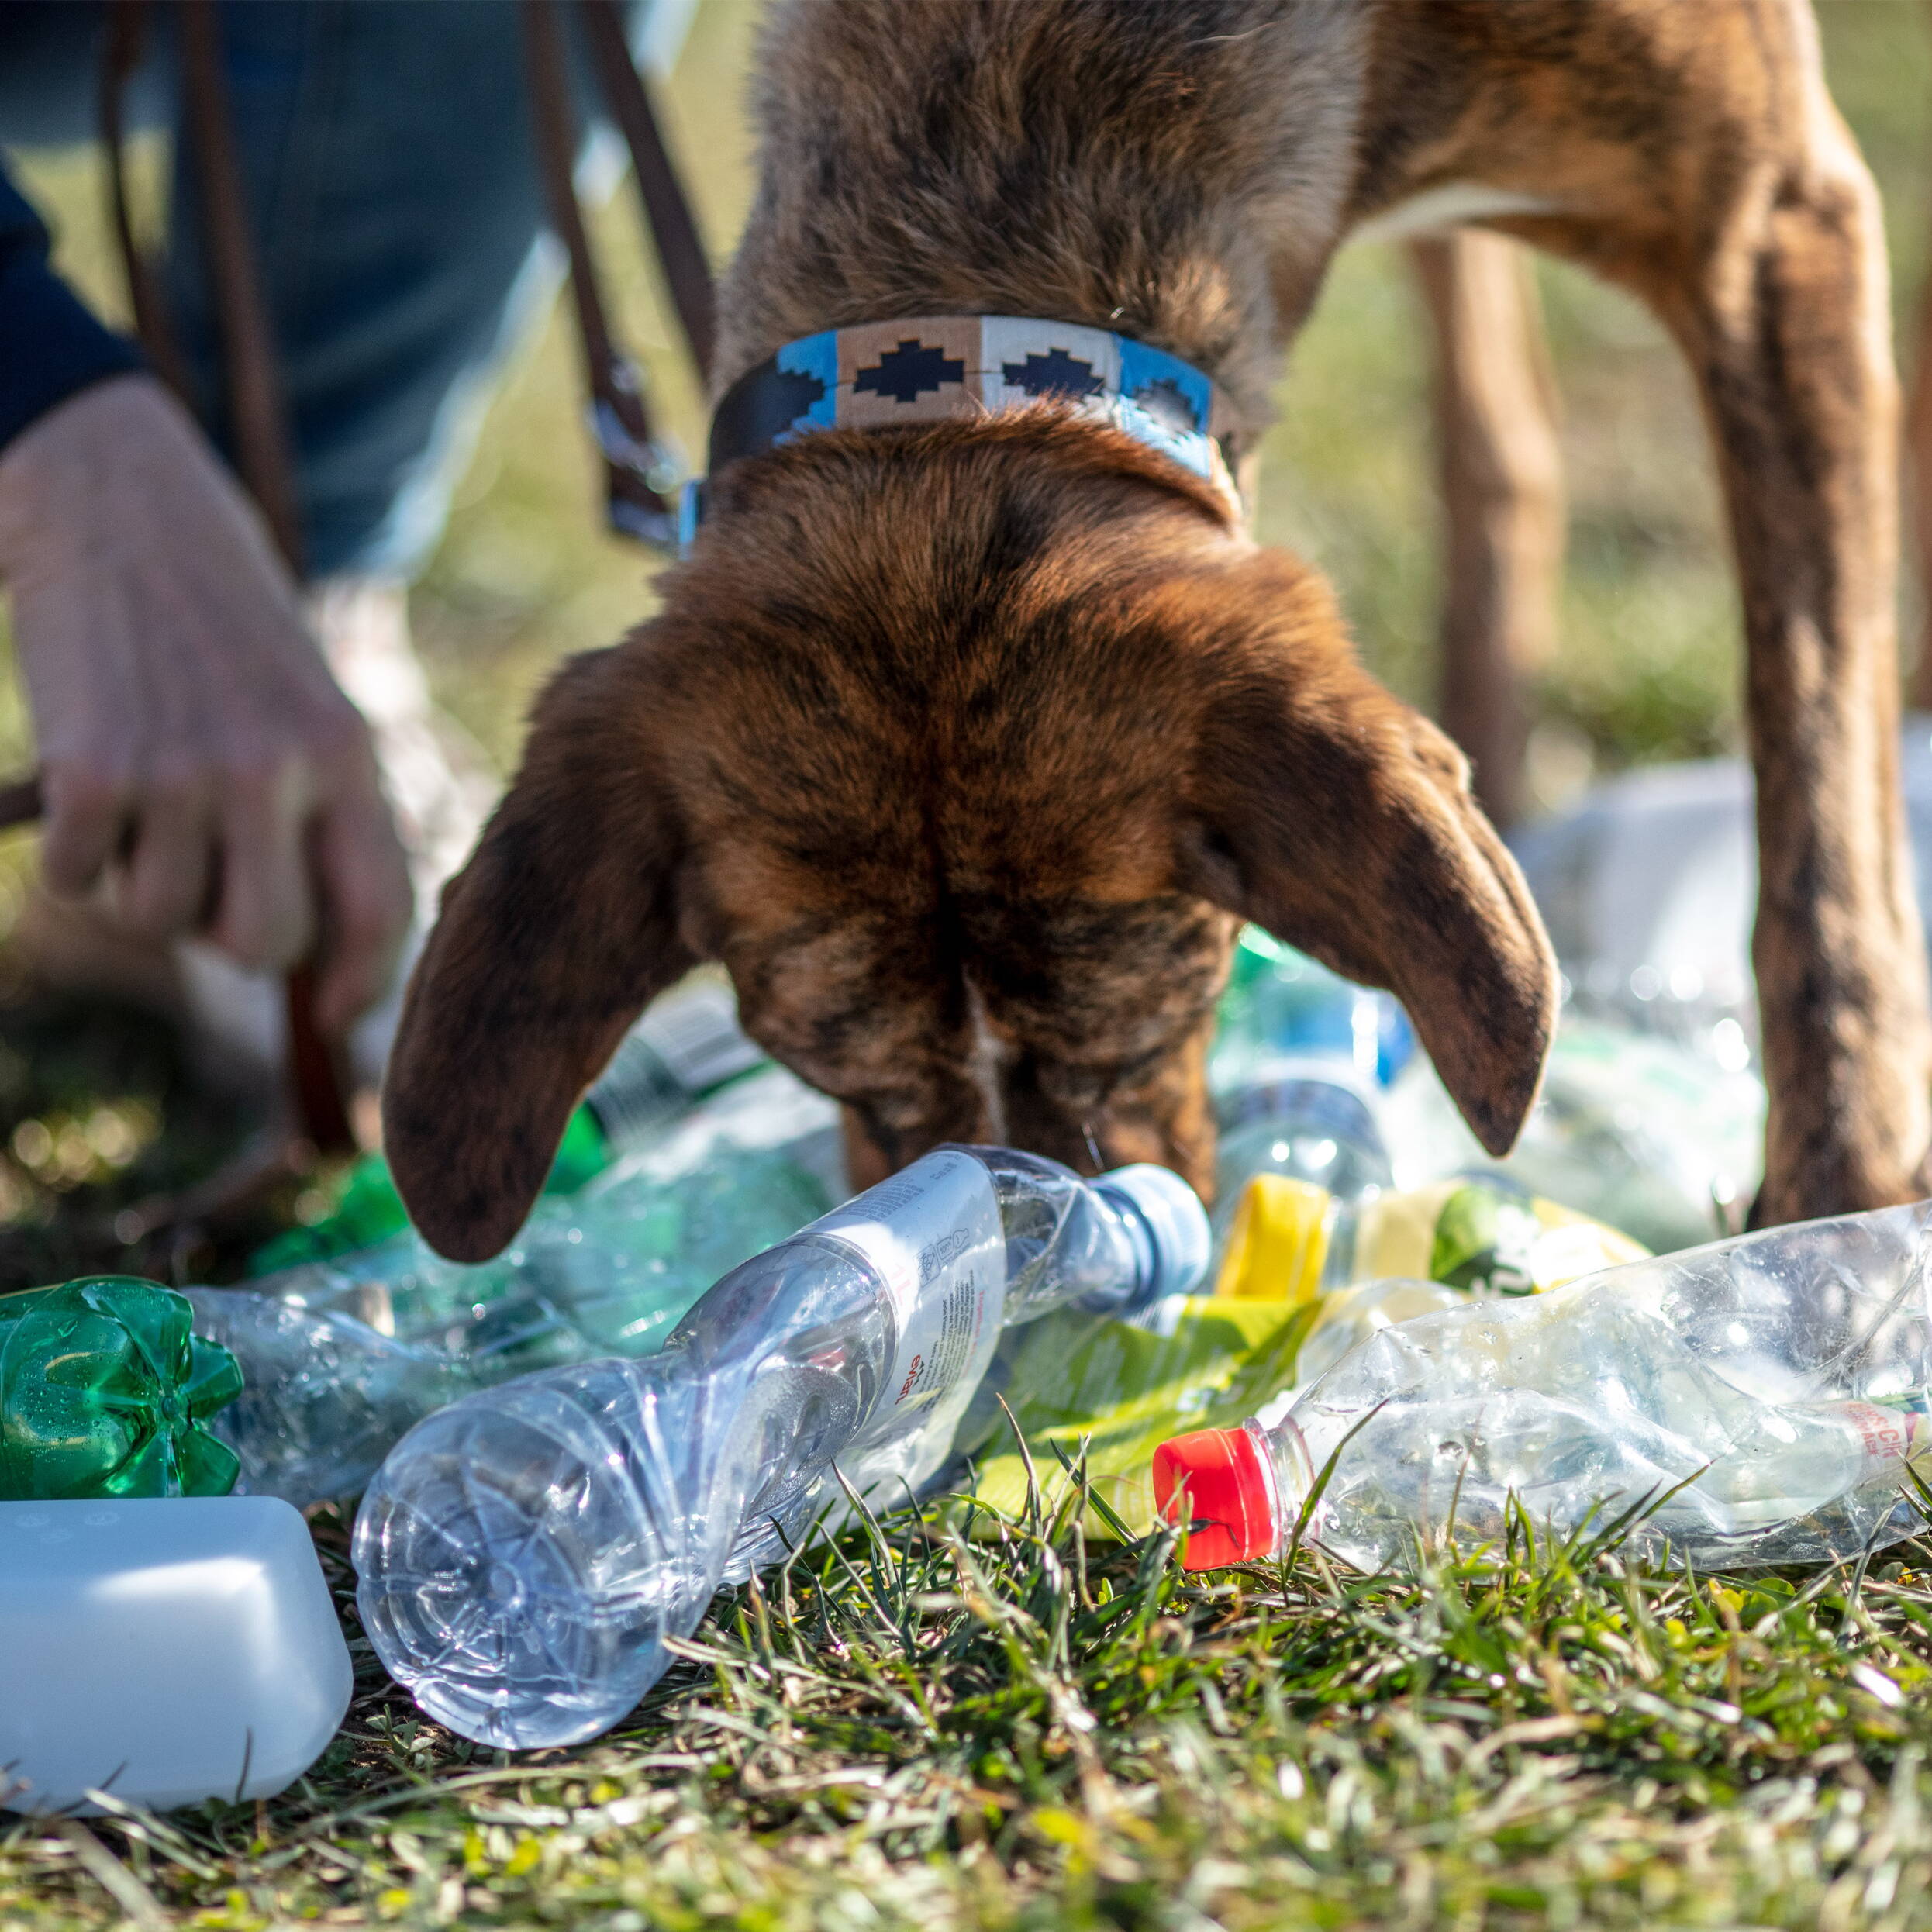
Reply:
x=386, y=151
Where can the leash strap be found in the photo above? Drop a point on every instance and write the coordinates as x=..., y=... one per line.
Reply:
x=252, y=379
x=121, y=53
x=639, y=471
x=667, y=210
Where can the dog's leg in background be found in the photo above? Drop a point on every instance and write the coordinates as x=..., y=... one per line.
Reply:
x=1501, y=481
x=1918, y=463
x=1785, y=319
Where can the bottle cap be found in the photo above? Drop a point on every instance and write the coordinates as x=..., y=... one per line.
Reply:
x=1179, y=1241
x=1278, y=1242
x=1214, y=1479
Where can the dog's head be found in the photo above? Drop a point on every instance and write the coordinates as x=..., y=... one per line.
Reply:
x=965, y=750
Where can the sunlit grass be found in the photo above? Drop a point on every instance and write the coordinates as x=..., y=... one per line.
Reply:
x=951, y=1719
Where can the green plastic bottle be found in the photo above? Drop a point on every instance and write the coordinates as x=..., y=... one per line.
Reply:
x=105, y=1391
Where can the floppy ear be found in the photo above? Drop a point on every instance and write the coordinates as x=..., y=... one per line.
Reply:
x=1341, y=820
x=551, y=941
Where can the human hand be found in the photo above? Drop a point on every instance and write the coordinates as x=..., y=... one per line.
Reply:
x=198, y=764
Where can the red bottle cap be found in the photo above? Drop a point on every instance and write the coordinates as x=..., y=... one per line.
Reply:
x=1214, y=1480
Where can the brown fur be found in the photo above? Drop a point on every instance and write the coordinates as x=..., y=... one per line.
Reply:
x=963, y=747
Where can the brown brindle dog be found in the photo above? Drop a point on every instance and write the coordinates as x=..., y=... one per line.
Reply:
x=964, y=746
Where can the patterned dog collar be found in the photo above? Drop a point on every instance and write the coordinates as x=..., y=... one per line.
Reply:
x=887, y=375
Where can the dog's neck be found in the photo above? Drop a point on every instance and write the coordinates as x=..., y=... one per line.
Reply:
x=1156, y=171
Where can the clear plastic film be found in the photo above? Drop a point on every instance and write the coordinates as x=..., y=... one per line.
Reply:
x=1760, y=1401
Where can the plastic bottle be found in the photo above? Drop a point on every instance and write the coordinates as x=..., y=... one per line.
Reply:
x=1646, y=1133
x=106, y=1391
x=1313, y=1132
x=341, y=1357
x=166, y=1652
x=1291, y=1240
x=1763, y=1398
x=688, y=1046
x=1280, y=1005
x=523, y=1556
x=1649, y=883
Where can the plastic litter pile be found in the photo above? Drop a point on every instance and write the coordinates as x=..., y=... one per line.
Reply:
x=524, y=1555
x=1381, y=1341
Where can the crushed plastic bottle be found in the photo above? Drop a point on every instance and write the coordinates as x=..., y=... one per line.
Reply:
x=1280, y=1005
x=1645, y=1133
x=688, y=1046
x=106, y=1391
x=524, y=1556
x=1762, y=1400
x=342, y=1358
x=1290, y=1240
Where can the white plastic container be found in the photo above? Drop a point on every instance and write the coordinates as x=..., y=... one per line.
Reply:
x=165, y=1650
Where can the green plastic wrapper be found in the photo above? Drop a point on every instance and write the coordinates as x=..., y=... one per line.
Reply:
x=105, y=1390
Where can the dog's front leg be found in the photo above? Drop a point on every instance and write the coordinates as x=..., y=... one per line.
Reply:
x=1785, y=319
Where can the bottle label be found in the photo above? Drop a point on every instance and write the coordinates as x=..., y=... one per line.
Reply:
x=932, y=1234
x=1888, y=1437
x=694, y=1032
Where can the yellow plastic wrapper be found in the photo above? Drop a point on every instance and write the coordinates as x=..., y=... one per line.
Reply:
x=1290, y=1240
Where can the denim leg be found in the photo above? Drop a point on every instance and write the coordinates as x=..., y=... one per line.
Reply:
x=387, y=157
x=387, y=160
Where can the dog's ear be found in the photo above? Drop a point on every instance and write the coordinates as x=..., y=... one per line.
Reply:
x=551, y=941
x=1338, y=819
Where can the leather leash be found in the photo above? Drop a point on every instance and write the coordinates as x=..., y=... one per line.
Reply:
x=638, y=470
x=251, y=377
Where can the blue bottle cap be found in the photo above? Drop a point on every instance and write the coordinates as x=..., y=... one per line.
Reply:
x=1167, y=1214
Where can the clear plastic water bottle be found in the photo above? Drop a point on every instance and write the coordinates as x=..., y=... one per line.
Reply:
x=1280, y=1005
x=524, y=1556
x=1761, y=1398
x=1312, y=1132
x=341, y=1357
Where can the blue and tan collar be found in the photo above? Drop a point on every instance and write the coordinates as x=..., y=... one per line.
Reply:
x=928, y=369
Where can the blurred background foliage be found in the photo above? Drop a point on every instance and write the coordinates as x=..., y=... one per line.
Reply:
x=97, y=1115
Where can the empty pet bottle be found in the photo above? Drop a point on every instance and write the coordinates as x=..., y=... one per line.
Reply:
x=1762, y=1400
x=1280, y=1005
x=1646, y=1133
x=688, y=1045
x=524, y=1556
x=1311, y=1132
x=105, y=1391
x=341, y=1357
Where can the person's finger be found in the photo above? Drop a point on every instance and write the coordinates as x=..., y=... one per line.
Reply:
x=367, y=899
x=84, y=817
x=162, y=888
x=264, y=915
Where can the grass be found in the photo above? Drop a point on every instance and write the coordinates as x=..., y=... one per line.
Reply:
x=1025, y=1731
x=914, y=1728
